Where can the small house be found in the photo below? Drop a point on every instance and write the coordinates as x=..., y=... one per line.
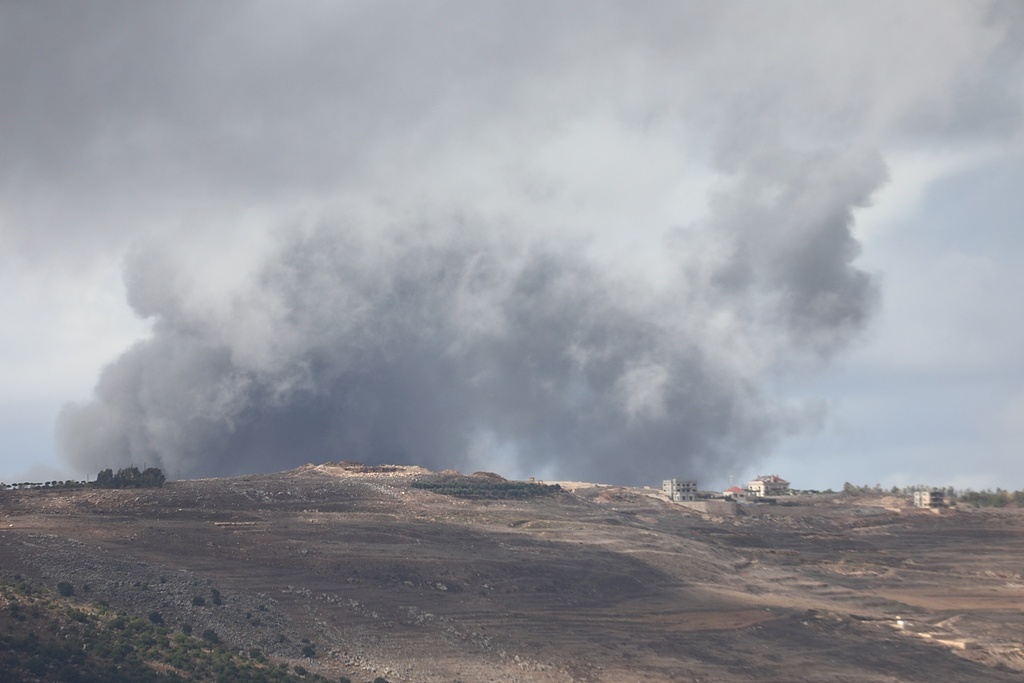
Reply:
x=736, y=493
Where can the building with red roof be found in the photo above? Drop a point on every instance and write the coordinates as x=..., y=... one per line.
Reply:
x=736, y=493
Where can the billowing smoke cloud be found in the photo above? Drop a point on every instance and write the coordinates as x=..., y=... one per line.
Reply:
x=500, y=237
x=474, y=348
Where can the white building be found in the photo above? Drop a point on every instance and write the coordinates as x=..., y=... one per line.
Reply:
x=768, y=485
x=929, y=499
x=680, y=489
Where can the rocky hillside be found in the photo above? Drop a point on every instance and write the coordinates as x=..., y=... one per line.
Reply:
x=396, y=572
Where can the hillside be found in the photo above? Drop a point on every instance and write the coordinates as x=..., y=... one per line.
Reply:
x=351, y=570
x=46, y=636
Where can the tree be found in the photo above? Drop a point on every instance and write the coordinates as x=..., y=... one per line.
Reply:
x=130, y=477
x=105, y=479
x=153, y=477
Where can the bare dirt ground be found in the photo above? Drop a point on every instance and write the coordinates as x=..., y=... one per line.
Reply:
x=595, y=583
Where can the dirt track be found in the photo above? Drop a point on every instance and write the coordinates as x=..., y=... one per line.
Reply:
x=596, y=584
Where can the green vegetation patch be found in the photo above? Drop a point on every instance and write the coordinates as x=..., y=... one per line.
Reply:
x=470, y=487
x=130, y=478
x=991, y=499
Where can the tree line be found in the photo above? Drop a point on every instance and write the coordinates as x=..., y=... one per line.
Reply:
x=989, y=498
x=56, y=484
x=125, y=478
x=998, y=498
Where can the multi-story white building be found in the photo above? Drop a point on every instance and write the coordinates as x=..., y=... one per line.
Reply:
x=680, y=489
x=768, y=485
x=933, y=498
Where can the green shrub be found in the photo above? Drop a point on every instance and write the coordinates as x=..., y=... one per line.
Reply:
x=66, y=589
x=471, y=487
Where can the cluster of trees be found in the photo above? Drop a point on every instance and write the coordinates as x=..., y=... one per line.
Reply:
x=100, y=645
x=125, y=478
x=877, y=490
x=988, y=498
x=952, y=496
x=130, y=478
x=865, y=490
x=468, y=487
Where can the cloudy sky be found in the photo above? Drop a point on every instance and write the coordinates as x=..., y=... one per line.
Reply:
x=602, y=240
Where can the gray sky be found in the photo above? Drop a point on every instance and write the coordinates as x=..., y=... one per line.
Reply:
x=584, y=240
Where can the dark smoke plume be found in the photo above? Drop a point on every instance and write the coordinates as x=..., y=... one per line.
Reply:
x=473, y=347
x=598, y=239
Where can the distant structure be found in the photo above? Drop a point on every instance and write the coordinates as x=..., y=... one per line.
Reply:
x=768, y=485
x=680, y=490
x=932, y=498
x=736, y=493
